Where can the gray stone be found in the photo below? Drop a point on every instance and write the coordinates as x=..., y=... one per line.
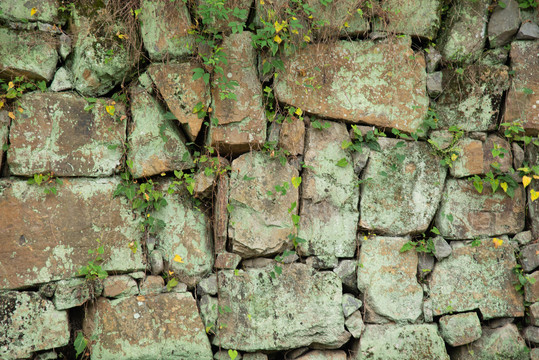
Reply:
x=180, y=288
x=138, y=275
x=503, y=23
x=523, y=238
x=494, y=57
x=255, y=356
x=29, y=323
x=226, y=260
x=388, y=279
x=322, y=262
x=259, y=221
x=119, y=286
x=529, y=257
x=294, y=354
x=207, y=286
x=393, y=342
x=323, y=355
x=499, y=322
x=330, y=195
x=428, y=314
x=209, y=313
x=20, y=11
x=156, y=262
x=350, y=304
x=152, y=285
x=346, y=270
x=460, y=329
x=425, y=264
x=402, y=200
x=47, y=290
x=534, y=314
x=478, y=277
x=62, y=80
x=434, y=84
x=359, y=159
x=170, y=323
x=75, y=292
x=258, y=262
x=518, y=155
x=433, y=59
x=441, y=248
x=528, y=31
x=501, y=343
x=354, y=324
x=66, y=45
x=531, y=334
x=534, y=354
x=260, y=320
x=49, y=355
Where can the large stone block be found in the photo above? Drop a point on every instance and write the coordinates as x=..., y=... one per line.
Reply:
x=504, y=23
x=330, y=194
x=181, y=93
x=47, y=237
x=475, y=157
x=478, y=277
x=402, y=186
x=522, y=105
x=388, y=280
x=259, y=222
x=30, y=54
x=460, y=329
x=21, y=11
x=476, y=214
x=353, y=81
x=29, y=323
x=156, y=327
x=294, y=309
x=242, y=122
x=55, y=133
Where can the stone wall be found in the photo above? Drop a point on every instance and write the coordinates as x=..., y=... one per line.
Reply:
x=298, y=179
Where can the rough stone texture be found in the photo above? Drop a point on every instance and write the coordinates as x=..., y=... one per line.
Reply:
x=350, y=304
x=354, y=324
x=75, y=292
x=357, y=83
x=323, y=355
x=207, y=286
x=329, y=195
x=471, y=101
x=156, y=262
x=460, y=329
x=523, y=238
x=520, y=106
x=209, y=311
x=4, y=130
x=529, y=257
x=259, y=222
x=54, y=133
x=152, y=285
x=227, y=260
x=393, y=342
x=155, y=144
x=464, y=36
x=346, y=270
x=292, y=137
x=534, y=314
x=494, y=57
x=441, y=248
x=532, y=156
x=504, y=161
x=186, y=234
x=220, y=213
x=47, y=237
x=425, y=264
x=518, y=155
x=63, y=80
x=477, y=278
x=30, y=54
x=262, y=321
x=528, y=31
x=170, y=323
x=255, y=356
x=435, y=84
x=388, y=279
x=242, y=122
x=531, y=334
x=119, y=286
x=181, y=93
x=164, y=29
x=500, y=343
x=29, y=323
x=402, y=200
x=477, y=214
x=46, y=11
x=503, y=23
x=470, y=158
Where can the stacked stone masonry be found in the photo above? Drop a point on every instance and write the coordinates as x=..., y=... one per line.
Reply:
x=251, y=179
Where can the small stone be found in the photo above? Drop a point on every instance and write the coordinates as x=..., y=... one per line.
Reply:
x=531, y=291
x=359, y=159
x=203, y=184
x=350, y=304
x=150, y=243
x=346, y=270
x=207, y=286
x=434, y=84
x=119, y=286
x=442, y=138
x=47, y=290
x=75, y=292
x=534, y=355
x=428, y=315
x=49, y=355
x=255, y=356
x=425, y=264
x=180, y=288
x=323, y=355
x=226, y=260
x=518, y=155
x=503, y=23
x=528, y=31
x=322, y=262
x=289, y=259
x=441, y=248
x=469, y=160
x=66, y=44
x=433, y=59
x=531, y=334
x=499, y=322
x=292, y=136
x=354, y=324
x=274, y=129
x=534, y=314
x=156, y=262
x=529, y=258
x=460, y=329
x=258, y=262
x=62, y=80
x=294, y=354
x=504, y=160
x=224, y=355
x=152, y=285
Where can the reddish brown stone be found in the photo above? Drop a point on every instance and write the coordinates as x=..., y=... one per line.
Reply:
x=292, y=136
x=532, y=290
x=504, y=160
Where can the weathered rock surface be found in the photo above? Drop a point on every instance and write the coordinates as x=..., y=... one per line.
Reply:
x=460, y=329
x=393, y=342
x=500, y=343
x=182, y=94
x=4, y=131
x=21, y=11
x=528, y=31
x=241, y=122
x=63, y=80
x=152, y=285
x=471, y=101
x=441, y=248
x=259, y=320
x=529, y=257
x=402, y=199
x=323, y=355
x=155, y=144
x=503, y=23
x=357, y=84
x=354, y=324
x=521, y=103
x=292, y=137
x=29, y=323
x=119, y=286
x=164, y=29
x=531, y=334
x=170, y=323
x=346, y=270
x=477, y=214
x=475, y=157
x=388, y=279
x=75, y=292
x=464, y=36
x=226, y=260
x=260, y=222
x=186, y=234
x=534, y=314
x=477, y=278
x=350, y=304
x=55, y=133
x=330, y=195
x=47, y=237
x=29, y=54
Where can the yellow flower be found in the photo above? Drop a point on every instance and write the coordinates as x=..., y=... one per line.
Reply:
x=497, y=242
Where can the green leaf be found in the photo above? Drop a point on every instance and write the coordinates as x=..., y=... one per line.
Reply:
x=80, y=344
x=435, y=230
x=172, y=283
x=478, y=184
x=296, y=181
x=408, y=246
x=527, y=91
x=232, y=354
x=342, y=163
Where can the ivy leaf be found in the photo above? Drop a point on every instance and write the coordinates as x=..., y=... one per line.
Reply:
x=406, y=247
x=232, y=354
x=342, y=163
x=80, y=344
x=296, y=181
